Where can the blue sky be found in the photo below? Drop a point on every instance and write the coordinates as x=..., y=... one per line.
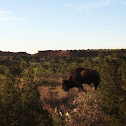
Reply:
x=32, y=25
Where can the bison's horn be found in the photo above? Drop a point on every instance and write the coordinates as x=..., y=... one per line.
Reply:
x=63, y=81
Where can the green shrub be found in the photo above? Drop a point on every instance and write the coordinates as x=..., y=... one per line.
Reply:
x=21, y=106
x=15, y=70
x=112, y=87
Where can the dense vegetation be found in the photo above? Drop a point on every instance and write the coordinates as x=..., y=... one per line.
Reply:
x=31, y=94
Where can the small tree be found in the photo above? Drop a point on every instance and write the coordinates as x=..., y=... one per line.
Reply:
x=23, y=64
x=21, y=106
x=31, y=103
x=9, y=101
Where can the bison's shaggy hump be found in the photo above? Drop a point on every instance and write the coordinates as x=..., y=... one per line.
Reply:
x=79, y=76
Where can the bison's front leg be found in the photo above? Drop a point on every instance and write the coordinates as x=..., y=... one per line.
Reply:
x=81, y=88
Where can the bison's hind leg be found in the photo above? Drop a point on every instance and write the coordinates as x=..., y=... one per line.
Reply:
x=96, y=85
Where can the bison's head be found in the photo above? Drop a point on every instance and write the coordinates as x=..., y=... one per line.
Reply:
x=65, y=85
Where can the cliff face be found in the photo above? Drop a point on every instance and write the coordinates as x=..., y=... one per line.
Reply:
x=69, y=53
x=79, y=53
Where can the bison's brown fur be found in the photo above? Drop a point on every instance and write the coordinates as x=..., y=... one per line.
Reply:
x=79, y=76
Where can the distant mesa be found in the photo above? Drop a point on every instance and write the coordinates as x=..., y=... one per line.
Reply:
x=80, y=53
x=4, y=53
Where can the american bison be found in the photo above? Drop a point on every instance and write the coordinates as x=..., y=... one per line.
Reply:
x=79, y=76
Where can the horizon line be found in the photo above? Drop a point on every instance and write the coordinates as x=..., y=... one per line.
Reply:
x=62, y=50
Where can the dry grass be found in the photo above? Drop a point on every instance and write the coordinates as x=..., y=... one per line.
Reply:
x=73, y=108
x=88, y=111
x=57, y=98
